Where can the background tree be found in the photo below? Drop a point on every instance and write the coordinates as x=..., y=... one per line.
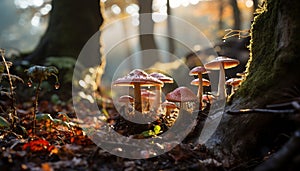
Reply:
x=236, y=14
x=273, y=77
x=71, y=24
x=147, y=41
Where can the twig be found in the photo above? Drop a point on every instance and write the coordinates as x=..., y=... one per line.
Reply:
x=238, y=33
x=284, y=157
x=10, y=85
x=293, y=104
x=265, y=111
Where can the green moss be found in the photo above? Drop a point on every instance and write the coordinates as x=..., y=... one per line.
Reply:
x=262, y=53
x=274, y=52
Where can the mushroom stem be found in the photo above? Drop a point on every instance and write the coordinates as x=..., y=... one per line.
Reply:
x=157, y=102
x=221, y=86
x=200, y=90
x=137, y=97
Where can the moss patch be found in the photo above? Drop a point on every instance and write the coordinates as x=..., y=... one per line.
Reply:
x=272, y=55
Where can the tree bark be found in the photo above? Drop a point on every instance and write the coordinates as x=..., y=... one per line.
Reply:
x=71, y=24
x=273, y=76
x=255, y=5
x=236, y=14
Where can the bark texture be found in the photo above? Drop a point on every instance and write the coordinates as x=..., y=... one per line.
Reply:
x=273, y=76
x=71, y=24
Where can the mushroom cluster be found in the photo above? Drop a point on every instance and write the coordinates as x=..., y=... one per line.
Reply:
x=138, y=78
x=146, y=101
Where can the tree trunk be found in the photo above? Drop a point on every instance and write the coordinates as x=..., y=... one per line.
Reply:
x=221, y=9
x=236, y=14
x=273, y=76
x=170, y=30
x=146, y=29
x=71, y=24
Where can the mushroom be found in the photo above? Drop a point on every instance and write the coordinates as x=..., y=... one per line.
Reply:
x=137, y=78
x=234, y=83
x=199, y=70
x=208, y=98
x=202, y=83
x=171, y=112
x=146, y=97
x=169, y=106
x=221, y=63
x=127, y=100
x=183, y=95
x=164, y=79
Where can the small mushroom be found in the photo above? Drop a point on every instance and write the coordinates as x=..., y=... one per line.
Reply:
x=127, y=100
x=234, y=83
x=171, y=112
x=164, y=79
x=147, y=99
x=137, y=78
x=184, y=96
x=208, y=98
x=199, y=70
x=204, y=83
x=221, y=63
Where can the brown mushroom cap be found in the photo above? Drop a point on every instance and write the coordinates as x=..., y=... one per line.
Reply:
x=161, y=77
x=181, y=94
x=126, y=99
x=234, y=81
x=146, y=93
x=197, y=70
x=205, y=82
x=227, y=63
x=169, y=105
x=208, y=97
x=137, y=76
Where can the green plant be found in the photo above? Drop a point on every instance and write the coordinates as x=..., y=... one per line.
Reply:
x=156, y=130
x=39, y=74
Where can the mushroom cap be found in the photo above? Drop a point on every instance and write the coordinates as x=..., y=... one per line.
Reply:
x=137, y=76
x=205, y=82
x=234, y=81
x=147, y=94
x=161, y=77
x=208, y=97
x=198, y=69
x=126, y=99
x=169, y=105
x=227, y=63
x=181, y=94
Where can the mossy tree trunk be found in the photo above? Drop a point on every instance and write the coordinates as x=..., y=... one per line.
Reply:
x=273, y=76
x=71, y=24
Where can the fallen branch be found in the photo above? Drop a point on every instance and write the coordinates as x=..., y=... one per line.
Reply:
x=284, y=157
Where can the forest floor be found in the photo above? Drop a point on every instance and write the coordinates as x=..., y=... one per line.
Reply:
x=60, y=144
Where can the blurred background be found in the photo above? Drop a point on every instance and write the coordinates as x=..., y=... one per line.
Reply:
x=23, y=22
